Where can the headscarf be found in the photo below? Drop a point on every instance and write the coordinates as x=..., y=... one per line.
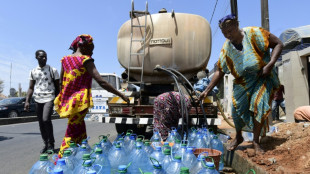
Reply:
x=232, y=17
x=83, y=38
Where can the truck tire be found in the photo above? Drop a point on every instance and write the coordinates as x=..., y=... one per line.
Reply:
x=122, y=128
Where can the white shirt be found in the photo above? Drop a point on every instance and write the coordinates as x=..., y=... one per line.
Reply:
x=44, y=88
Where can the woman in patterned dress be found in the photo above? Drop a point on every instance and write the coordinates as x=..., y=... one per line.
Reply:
x=245, y=54
x=75, y=97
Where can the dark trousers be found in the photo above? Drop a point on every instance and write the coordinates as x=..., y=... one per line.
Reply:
x=44, y=114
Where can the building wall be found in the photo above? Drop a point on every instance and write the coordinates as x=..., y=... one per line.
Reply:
x=295, y=80
x=228, y=90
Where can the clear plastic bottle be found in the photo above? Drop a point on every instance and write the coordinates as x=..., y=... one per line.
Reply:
x=217, y=144
x=81, y=152
x=105, y=144
x=148, y=148
x=199, y=142
x=175, y=165
x=208, y=168
x=131, y=143
x=156, y=142
x=139, y=140
x=181, y=151
x=97, y=146
x=71, y=161
x=189, y=158
x=85, y=143
x=101, y=159
x=157, y=154
x=156, y=135
x=61, y=164
x=176, y=146
x=86, y=167
x=127, y=136
x=82, y=160
x=198, y=165
x=73, y=148
x=165, y=146
x=192, y=136
x=139, y=159
x=157, y=169
x=57, y=171
x=41, y=166
x=167, y=159
x=173, y=135
x=117, y=156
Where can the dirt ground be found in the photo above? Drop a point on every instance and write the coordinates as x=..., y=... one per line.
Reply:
x=287, y=151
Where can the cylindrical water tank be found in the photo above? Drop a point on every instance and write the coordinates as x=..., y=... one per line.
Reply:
x=180, y=41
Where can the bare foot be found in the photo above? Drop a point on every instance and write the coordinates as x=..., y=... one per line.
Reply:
x=257, y=148
x=235, y=143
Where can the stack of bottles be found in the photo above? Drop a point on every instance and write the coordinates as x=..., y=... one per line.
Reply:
x=132, y=154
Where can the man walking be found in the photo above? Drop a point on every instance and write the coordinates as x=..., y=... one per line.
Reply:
x=44, y=86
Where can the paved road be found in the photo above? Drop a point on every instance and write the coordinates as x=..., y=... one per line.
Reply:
x=20, y=144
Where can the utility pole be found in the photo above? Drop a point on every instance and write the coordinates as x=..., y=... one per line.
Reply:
x=265, y=14
x=234, y=7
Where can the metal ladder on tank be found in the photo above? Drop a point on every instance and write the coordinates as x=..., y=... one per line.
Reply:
x=135, y=14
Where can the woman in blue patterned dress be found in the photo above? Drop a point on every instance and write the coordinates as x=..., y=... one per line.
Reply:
x=246, y=55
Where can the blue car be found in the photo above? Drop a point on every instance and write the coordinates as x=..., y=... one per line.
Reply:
x=14, y=107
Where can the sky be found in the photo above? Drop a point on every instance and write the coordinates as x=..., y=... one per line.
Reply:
x=27, y=26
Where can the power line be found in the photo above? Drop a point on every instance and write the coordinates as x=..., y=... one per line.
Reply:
x=217, y=27
x=213, y=11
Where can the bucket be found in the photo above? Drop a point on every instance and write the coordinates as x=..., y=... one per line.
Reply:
x=215, y=154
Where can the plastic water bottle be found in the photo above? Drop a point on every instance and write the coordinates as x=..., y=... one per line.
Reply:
x=165, y=146
x=139, y=140
x=157, y=154
x=131, y=143
x=85, y=143
x=122, y=169
x=167, y=159
x=86, y=167
x=175, y=147
x=148, y=148
x=184, y=170
x=97, y=146
x=81, y=152
x=199, y=142
x=57, y=171
x=175, y=165
x=209, y=168
x=82, y=160
x=117, y=156
x=71, y=161
x=101, y=159
x=139, y=159
x=105, y=144
x=157, y=167
x=156, y=135
x=41, y=166
x=198, y=165
x=189, y=158
x=181, y=151
x=156, y=142
x=127, y=136
x=173, y=135
x=192, y=136
x=217, y=144
x=61, y=164
x=73, y=148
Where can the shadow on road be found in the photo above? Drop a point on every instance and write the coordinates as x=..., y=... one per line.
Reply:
x=2, y=138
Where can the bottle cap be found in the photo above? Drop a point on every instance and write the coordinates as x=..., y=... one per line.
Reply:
x=98, y=151
x=147, y=143
x=87, y=163
x=91, y=172
x=210, y=164
x=58, y=171
x=167, y=151
x=67, y=152
x=158, y=148
x=61, y=161
x=157, y=166
x=177, y=158
x=72, y=144
x=139, y=140
x=43, y=157
x=122, y=169
x=86, y=156
x=184, y=170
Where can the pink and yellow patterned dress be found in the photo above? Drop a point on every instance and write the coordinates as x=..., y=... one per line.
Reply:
x=75, y=98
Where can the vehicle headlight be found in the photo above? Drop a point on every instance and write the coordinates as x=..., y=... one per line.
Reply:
x=3, y=108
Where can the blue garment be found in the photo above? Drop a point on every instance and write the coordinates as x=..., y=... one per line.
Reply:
x=202, y=84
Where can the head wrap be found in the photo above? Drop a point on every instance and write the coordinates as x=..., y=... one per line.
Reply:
x=83, y=38
x=225, y=18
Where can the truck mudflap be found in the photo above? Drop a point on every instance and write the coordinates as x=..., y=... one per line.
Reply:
x=149, y=121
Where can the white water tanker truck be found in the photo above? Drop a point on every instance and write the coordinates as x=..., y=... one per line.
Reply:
x=149, y=47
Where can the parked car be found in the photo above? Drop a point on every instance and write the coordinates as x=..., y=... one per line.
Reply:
x=14, y=107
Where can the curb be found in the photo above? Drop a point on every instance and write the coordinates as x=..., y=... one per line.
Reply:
x=6, y=121
x=235, y=160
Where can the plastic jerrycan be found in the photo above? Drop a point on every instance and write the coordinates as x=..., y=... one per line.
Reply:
x=189, y=158
x=157, y=167
x=71, y=161
x=101, y=159
x=61, y=164
x=42, y=166
x=167, y=159
x=208, y=167
x=198, y=165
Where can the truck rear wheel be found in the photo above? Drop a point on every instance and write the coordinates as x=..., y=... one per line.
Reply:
x=122, y=128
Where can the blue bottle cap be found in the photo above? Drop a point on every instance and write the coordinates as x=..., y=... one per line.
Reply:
x=58, y=171
x=122, y=167
x=158, y=148
x=189, y=149
x=61, y=162
x=166, y=143
x=138, y=146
